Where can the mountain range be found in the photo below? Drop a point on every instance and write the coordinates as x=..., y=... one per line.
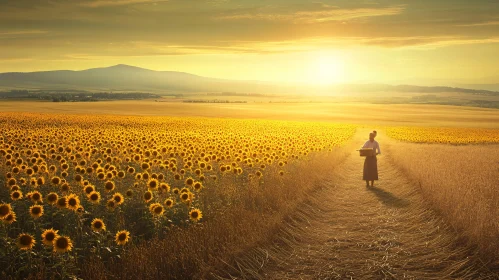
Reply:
x=127, y=78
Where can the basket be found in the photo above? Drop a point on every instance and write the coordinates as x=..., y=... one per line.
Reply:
x=367, y=152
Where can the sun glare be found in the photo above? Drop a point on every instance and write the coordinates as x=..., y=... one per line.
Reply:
x=326, y=69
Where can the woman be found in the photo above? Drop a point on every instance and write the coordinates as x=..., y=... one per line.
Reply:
x=371, y=162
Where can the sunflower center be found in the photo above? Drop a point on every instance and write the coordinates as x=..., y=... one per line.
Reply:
x=61, y=202
x=25, y=240
x=49, y=236
x=4, y=210
x=62, y=243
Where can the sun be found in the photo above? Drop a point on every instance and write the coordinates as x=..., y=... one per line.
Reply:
x=326, y=69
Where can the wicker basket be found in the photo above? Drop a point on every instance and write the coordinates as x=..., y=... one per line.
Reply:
x=367, y=152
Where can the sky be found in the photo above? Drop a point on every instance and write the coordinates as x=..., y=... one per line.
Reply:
x=288, y=41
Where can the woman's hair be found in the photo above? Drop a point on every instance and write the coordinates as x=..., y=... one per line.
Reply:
x=375, y=132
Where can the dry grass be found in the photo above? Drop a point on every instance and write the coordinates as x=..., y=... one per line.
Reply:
x=460, y=182
x=344, y=231
x=195, y=252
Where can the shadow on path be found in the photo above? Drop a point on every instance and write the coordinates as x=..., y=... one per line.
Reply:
x=388, y=198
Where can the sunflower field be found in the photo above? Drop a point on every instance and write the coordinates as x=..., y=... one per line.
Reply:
x=458, y=136
x=92, y=186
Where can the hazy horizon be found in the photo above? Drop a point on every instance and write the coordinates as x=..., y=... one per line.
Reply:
x=328, y=42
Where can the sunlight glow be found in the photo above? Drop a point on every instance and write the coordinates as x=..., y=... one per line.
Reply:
x=326, y=69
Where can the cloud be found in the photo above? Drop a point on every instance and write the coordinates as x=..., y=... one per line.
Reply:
x=105, y=3
x=16, y=34
x=326, y=14
x=485, y=23
x=23, y=32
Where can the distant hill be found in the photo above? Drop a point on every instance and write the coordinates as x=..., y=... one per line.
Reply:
x=130, y=78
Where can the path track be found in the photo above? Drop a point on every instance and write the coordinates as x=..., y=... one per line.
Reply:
x=348, y=231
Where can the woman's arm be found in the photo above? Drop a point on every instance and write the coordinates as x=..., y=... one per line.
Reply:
x=379, y=150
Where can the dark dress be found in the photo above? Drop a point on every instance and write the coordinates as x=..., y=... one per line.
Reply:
x=370, y=169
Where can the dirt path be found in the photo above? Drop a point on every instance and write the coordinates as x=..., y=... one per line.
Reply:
x=348, y=231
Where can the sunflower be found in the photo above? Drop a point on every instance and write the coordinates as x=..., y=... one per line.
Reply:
x=156, y=209
x=129, y=193
x=62, y=244
x=152, y=184
x=36, y=211
x=5, y=210
x=145, y=166
x=184, y=197
x=62, y=202
x=36, y=197
x=48, y=236
x=122, y=237
x=169, y=202
x=164, y=187
x=197, y=186
x=176, y=191
x=65, y=187
x=52, y=198
x=89, y=189
x=16, y=195
x=55, y=180
x=33, y=183
x=78, y=178
x=40, y=181
x=73, y=202
x=94, y=197
x=111, y=204
x=98, y=225
x=109, y=186
x=281, y=173
x=189, y=181
x=12, y=181
x=118, y=198
x=148, y=196
x=195, y=215
x=10, y=218
x=25, y=241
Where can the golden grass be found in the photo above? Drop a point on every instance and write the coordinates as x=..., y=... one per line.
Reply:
x=358, y=113
x=460, y=182
x=444, y=135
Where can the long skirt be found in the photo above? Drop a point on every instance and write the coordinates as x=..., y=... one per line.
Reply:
x=370, y=169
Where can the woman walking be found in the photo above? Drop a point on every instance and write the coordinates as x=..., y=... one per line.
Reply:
x=371, y=162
